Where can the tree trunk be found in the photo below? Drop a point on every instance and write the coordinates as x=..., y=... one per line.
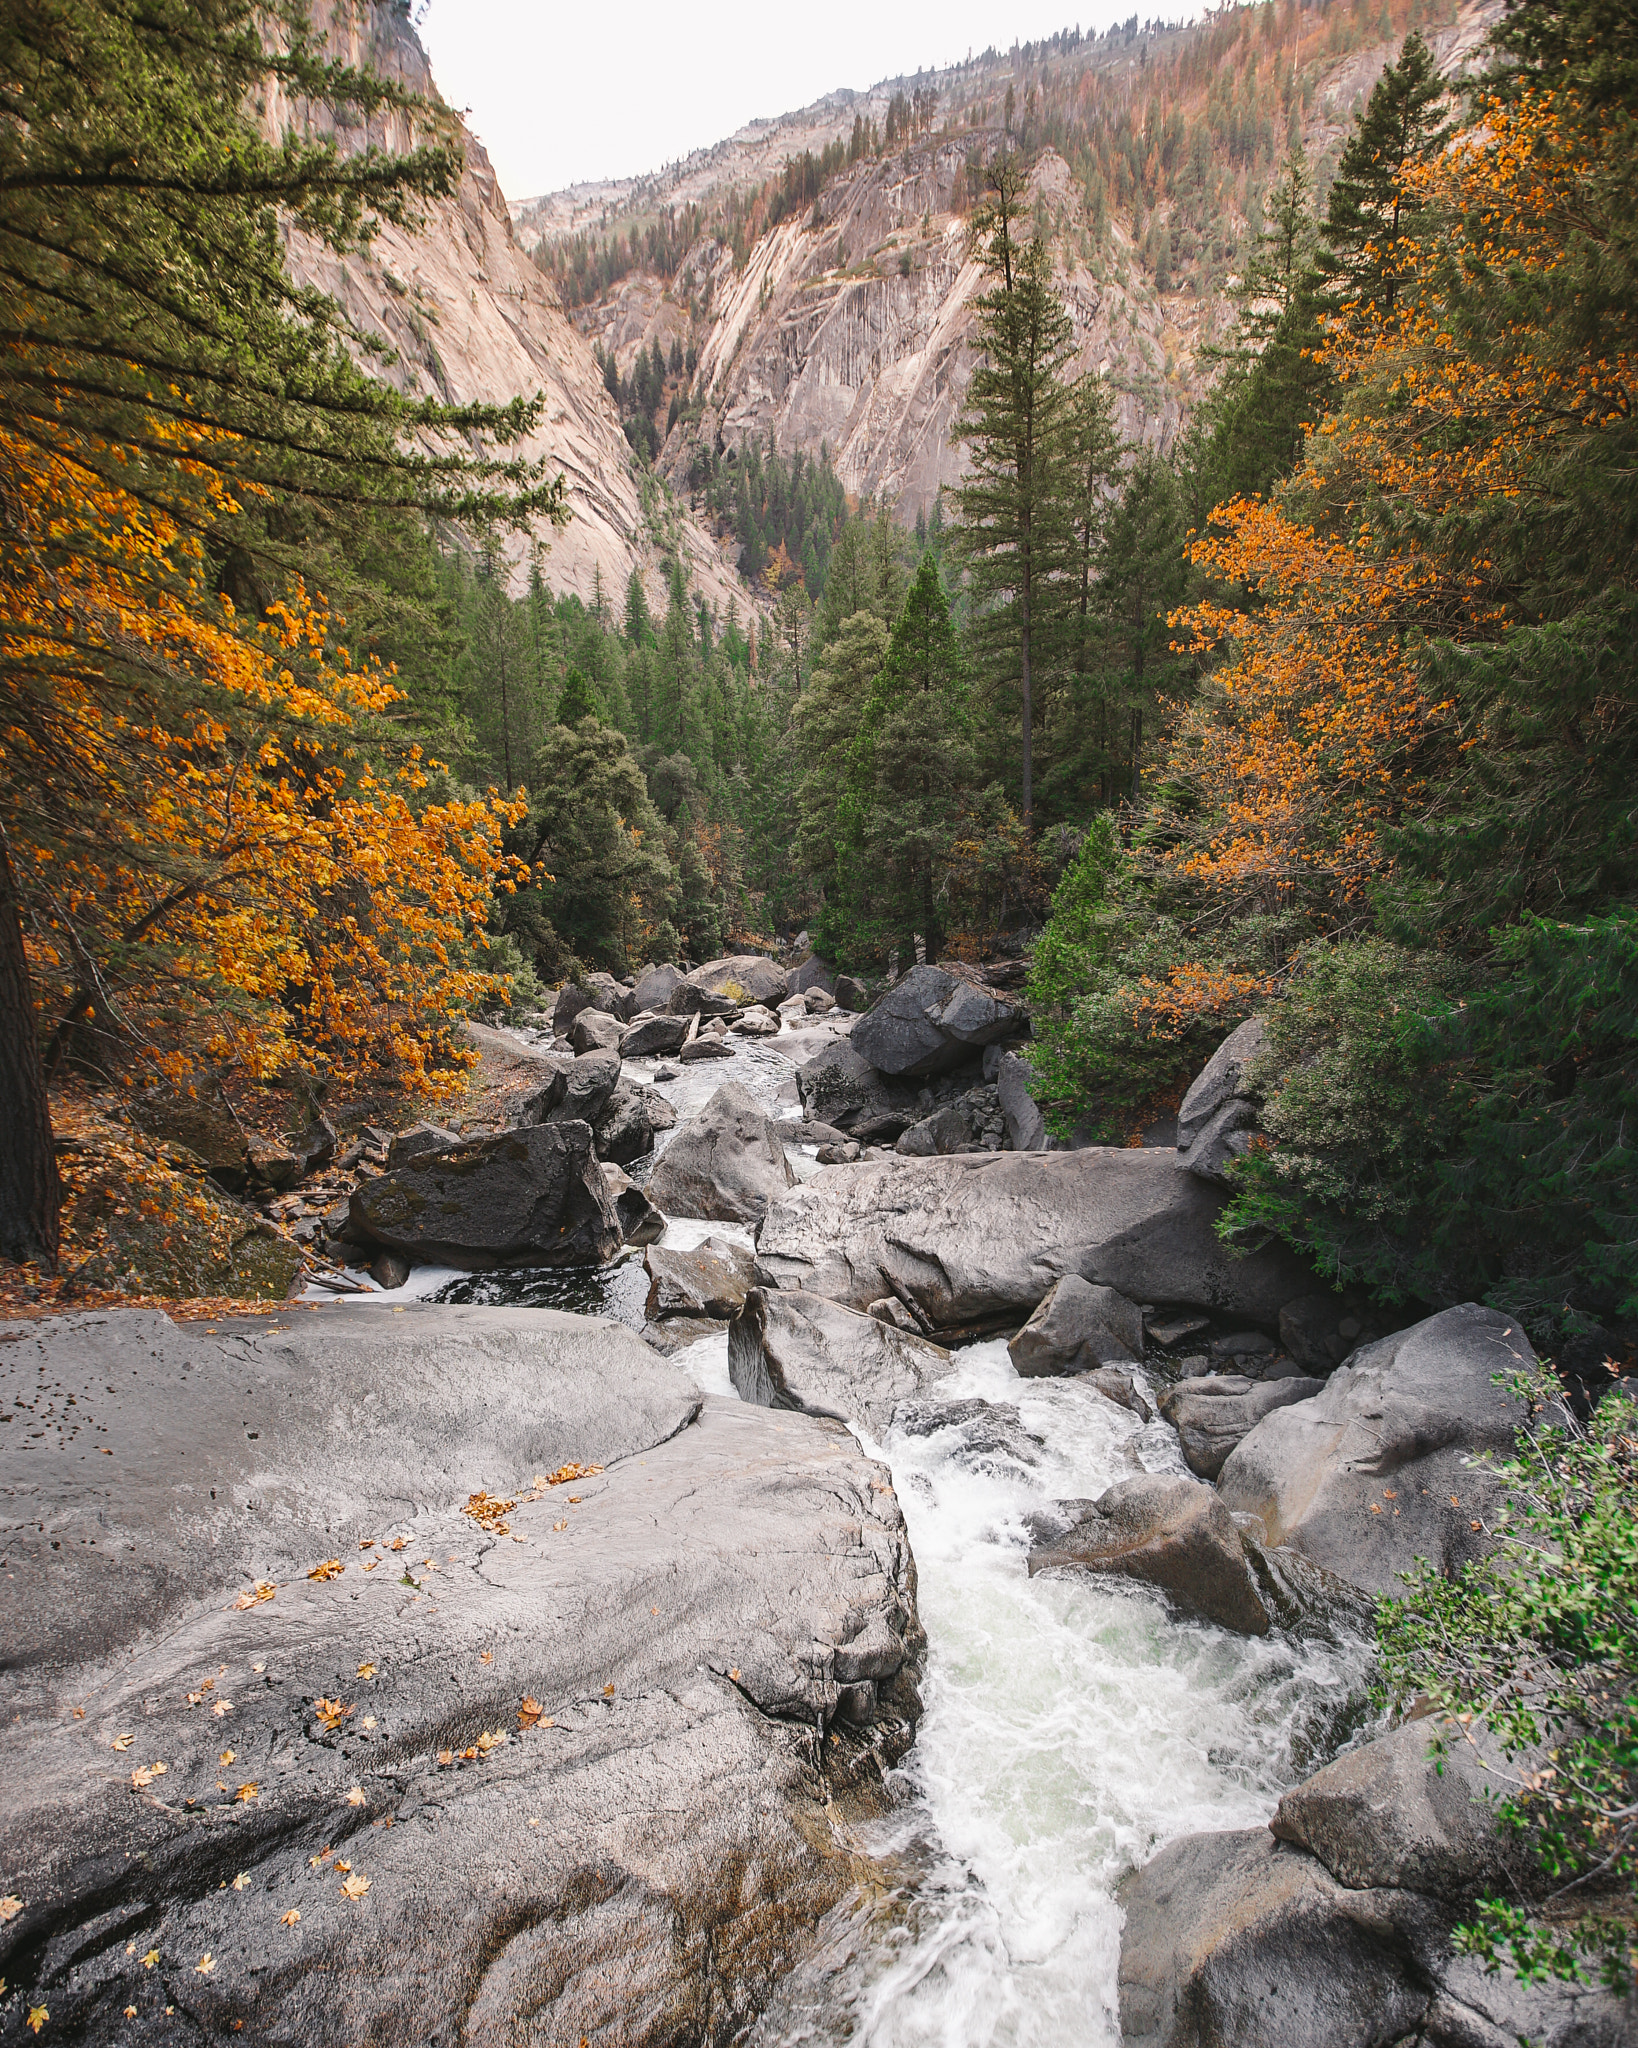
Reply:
x=1029, y=711
x=29, y=1194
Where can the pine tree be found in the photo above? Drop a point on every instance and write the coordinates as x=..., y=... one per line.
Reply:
x=1014, y=506
x=1141, y=579
x=913, y=759
x=1370, y=204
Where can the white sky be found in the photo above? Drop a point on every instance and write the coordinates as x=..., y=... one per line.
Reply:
x=561, y=93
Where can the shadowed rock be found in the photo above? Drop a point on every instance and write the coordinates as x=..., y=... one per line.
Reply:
x=929, y=1022
x=1213, y=1414
x=728, y=1163
x=801, y=1351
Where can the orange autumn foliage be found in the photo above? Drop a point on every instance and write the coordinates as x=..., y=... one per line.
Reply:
x=226, y=867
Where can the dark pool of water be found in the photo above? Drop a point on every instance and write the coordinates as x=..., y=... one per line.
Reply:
x=617, y=1290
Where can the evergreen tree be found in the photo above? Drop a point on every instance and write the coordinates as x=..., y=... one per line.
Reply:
x=639, y=626
x=1015, y=504
x=699, y=916
x=829, y=802
x=912, y=759
x=1403, y=124
x=1141, y=579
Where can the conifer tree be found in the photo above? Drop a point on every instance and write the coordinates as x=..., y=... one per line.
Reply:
x=1015, y=504
x=1370, y=203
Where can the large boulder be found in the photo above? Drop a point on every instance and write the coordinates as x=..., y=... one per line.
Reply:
x=1213, y=1413
x=840, y=1088
x=948, y=1129
x=1415, y=1808
x=1376, y=1469
x=640, y=1222
x=711, y=1280
x=1168, y=1532
x=1218, y=1118
x=727, y=1164
x=577, y=1721
x=629, y=1122
x=596, y=1031
x=1077, y=1327
x=984, y=1235
x=533, y=1197
x=653, y=1037
x=581, y=1090
x=801, y=1351
x=598, y=992
x=850, y=994
x=929, y=1022
x=655, y=986
x=810, y=973
x=420, y=1139
x=742, y=978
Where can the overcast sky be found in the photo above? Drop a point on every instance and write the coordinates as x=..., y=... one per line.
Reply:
x=560, y=93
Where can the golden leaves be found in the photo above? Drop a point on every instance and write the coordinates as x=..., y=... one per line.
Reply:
x=10, y=1907
x=399, y=1543
x=220, y=1707
x=486, y=1656
x=487, y=1741
x=290, y=1919
x=331, y=1713
x=262, y=1591
x=330, y=1568
x=228, y=1756
x=122, y=1742
x=205, y=1964
x=366, y=1672
x=241, y=1883
x=150, y=1959
x=37, y=2017
x=248, y=1793
x=489, y=1512
x=529, y=1712
x=354, y=1885
x=356, y=1796
x=145, y=1774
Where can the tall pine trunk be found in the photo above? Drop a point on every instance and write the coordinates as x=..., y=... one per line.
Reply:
x=29, y=1194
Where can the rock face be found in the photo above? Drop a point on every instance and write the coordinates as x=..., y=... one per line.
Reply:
x=629, y=1122
x=600, y=1742
x=1217, y=1116
x=595, y=1031
x=654, y=987
x=801, y=1351
x=812, y=973
x=840, y=1088
x=652, y=1037
x=979, y=1236
x=850, y=994
x=1077, y=1327
x=728, y=1164
x=640, y=1222
x=1212, y=1415
x=1373, y=1471
x=929, y=1022
x=584, y=1089
x=742, y=978
x=1171, y=1533
x=533, y=1197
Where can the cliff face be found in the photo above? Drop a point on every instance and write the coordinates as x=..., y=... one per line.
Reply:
x=470, y=318
x=849, y=326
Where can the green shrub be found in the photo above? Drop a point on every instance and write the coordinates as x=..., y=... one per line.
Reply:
x=1451, y=1132
x=1540, y=1639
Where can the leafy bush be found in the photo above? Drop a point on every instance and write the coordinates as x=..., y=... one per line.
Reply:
x=1540, y=1639
x=1446, y=1141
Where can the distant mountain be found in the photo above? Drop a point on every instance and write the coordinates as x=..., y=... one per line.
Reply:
x=808, y=277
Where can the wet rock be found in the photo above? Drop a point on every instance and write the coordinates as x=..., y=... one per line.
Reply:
x=711, y=1280
x=1214, y=1414
x=655, y=986
x=420, y=1139
x=1075, y=1327
x=596, y=1031
x=1374, y=1470
x=729, y=1586
x=582, y=1089
x=1171, y=1533
x=650, y=1037
x=727, y=1164
x=1226, y=1138
x=800, y=1351
x=627, y=1126
x=571, y=1000
x=850, y=994
x=929, y=1022
x=978, y=1236
x=1119, y=1387
x=705, y=1047
x=1026, y=1129
x=841, y=1089
x=1414, y=1809
x=533, y=1197
x=640, y=1222
x=757, y=1023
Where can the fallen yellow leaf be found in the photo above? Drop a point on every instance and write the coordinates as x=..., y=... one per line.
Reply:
x=37, y=2017
x=489, y=1511
x=130, y=2012
x=608, y=1692
x=10, y=1907
x=486, y=1656
x=330, y=1568
x=368, y=1721
x=222, y=1707
x=122, y=1742
x=264, y=1589
x=398, y=1543
x=246, y=1793
x=366, y=1542
x=528, y=1713
x=355, y=1886
x=205, y=1964
x=150, y=1959
x=370, y=1564
x=446, y=1756
x=487, y=1741
x=228, y=1756
x=366, y=1670
x=331, y=1713
x=241, y=1882
x=289, y=1919
x=356, y=1796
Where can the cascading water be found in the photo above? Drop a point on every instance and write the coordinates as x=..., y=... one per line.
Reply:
x=1073, y=1724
